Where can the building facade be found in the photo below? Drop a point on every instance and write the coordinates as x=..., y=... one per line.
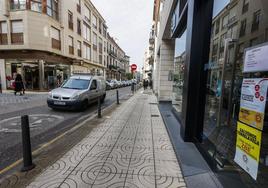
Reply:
x=200, y=53
x=117, y=61
x=48, y=40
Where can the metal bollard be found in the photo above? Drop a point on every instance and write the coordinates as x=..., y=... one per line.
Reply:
x=117, y=96
x=99, y=107
x=26, y=144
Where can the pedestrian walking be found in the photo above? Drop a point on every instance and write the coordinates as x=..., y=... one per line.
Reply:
x=19, y=87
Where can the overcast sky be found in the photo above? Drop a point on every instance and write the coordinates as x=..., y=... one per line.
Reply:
x=129, y=21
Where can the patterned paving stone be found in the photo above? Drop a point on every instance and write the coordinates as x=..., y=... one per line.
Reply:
x=130, y=149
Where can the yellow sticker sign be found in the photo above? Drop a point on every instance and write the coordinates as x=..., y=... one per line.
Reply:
x=252, y=118
x=248, y=144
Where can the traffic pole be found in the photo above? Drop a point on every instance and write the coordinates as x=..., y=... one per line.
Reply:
x=117, y=96
x=99, y=107
x=26, y=144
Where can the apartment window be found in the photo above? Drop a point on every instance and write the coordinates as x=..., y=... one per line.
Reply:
x=245, y=6
x=87, y=51
x=53, y=9
x=79, y=46
x=100, y=58
x=78, y=6
x=87, y=14
x=100, y=45
x=87, y=32
x=17, y=32
x=79, y=27
x=217, y=27
x=17, y=4
x=224, y=22
x=71, y=45
x=104, y=46
x=256, y=21
x=243, y=28
x=3, y=33
x=70, y=20
x=254, y=42
x=100, y=27
x=215, y=47
x=36, y=5
x=95, y=41
x=94, y=21
x=55, y=38
x=104, y=31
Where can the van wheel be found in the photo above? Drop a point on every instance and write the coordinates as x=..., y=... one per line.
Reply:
x=84, y=105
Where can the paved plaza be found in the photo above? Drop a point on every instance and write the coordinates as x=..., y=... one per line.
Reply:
x=129, y=149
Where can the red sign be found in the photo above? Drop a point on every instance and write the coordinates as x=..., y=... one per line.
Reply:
x=133, y=67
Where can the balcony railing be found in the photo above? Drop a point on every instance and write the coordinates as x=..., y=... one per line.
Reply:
x=71, y=50
x=79, y=53
x=17, y=38
x=56, y=44
x=3, y=39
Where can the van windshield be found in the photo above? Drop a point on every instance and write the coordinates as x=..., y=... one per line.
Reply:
x=79, y=84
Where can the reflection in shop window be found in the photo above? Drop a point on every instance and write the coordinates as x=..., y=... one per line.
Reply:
x=178, y=73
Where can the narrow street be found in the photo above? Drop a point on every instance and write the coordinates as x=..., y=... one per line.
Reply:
x=46, y=123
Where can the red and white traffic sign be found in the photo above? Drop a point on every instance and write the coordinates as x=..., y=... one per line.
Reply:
x=133, y=67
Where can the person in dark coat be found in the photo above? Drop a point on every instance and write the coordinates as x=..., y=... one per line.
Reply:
x=19, y=87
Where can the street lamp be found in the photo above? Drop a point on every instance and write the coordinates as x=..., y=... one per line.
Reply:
x=227, y=42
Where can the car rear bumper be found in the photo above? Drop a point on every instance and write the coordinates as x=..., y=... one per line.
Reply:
x=68, y=105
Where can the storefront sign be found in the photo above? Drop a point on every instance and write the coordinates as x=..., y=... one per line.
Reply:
x=248, y=143
x=253, y=100
x=256, y=59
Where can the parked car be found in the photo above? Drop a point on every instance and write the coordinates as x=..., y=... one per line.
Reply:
x=77, y=92
x=109, y=85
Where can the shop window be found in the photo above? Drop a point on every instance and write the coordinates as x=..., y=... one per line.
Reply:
x=71, y=45
x=79, y=46
x=256, y=21
x=55, y=38
x=17, y=32
x=178, y=73
x=78, y=6
x=86, y=32
x=53, y=9
x=17, y=4
x=70, y=20
x=79, y=27
x=94, y=21
x=36, y=5
x=243, y=28
x=3, y=33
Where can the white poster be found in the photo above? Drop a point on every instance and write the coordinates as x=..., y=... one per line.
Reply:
x=256, y=59
x=253, y=101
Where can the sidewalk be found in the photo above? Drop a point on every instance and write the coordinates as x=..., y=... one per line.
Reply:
x=130, y=149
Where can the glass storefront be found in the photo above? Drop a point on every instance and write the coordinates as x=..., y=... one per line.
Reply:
x=178, y=74
x=37, y=75
x=237, y=26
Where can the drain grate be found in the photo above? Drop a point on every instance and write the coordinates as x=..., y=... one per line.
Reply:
x=154, y=115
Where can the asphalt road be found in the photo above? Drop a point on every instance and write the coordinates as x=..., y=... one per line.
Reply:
x=45, y=124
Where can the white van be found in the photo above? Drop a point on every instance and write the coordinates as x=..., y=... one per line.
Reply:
x=77, y=92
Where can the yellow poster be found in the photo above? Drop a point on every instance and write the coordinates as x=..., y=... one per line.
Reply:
x=250, y=117
x=248, y=144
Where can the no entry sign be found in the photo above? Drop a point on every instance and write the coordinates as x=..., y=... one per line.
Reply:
x=133, y=67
